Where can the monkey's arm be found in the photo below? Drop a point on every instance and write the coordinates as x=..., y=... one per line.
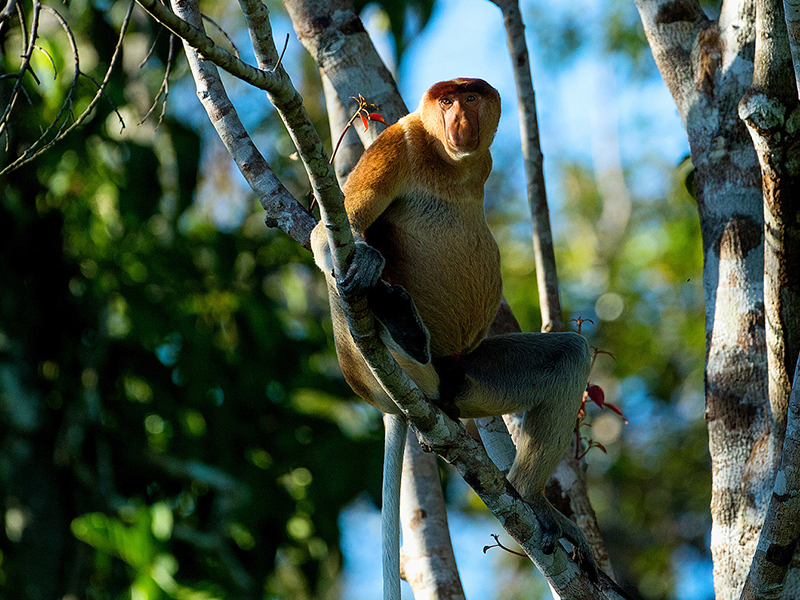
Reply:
x=378, y=178
x=369, y=191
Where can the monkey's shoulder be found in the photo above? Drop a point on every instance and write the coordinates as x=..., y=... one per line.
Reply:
x=382, y=165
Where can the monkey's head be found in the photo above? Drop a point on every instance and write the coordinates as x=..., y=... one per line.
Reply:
x=462, y=114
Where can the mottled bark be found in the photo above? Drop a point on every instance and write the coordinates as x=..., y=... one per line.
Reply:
x=778, y=542
x=334, y=35
x=770, y=110
x=708, y=67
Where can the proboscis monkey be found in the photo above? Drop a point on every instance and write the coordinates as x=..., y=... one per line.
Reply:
x=415, y=203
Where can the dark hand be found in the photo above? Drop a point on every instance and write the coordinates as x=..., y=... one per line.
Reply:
x=364, y=271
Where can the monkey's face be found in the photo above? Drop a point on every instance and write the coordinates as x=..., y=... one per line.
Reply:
x=464, y=113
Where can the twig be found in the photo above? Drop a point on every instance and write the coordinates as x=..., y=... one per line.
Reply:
x=40, y=146
x=497, y=544
x=26, y=60
x=164, y=89
x=280, y=58
x=223, y=33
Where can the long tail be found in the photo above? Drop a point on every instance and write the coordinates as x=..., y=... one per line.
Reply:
x=394, y=444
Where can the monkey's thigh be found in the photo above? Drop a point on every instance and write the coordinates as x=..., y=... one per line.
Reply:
x=521, y=371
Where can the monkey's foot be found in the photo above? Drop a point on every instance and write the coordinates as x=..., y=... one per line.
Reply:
x=551, y=530
x=451, y=381
x=556, y=526
x=393, y=307
x=581, y=552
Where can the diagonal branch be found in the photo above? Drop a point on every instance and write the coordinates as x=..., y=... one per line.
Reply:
x=282, y=208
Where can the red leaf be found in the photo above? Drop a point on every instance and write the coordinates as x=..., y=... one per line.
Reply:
x=596, y=395
x=364, y=121
x=373, y=116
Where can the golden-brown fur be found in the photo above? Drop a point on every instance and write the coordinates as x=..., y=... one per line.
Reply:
x=419, y=201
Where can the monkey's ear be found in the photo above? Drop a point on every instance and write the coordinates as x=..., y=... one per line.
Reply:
x=393, y=307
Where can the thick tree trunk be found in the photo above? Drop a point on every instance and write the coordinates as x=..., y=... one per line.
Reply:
x=709, y=67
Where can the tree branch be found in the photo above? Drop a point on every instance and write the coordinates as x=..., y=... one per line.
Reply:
x=546, y=273
x=779, y=536
x=568, y=484
x=791, y=9
x=282, y=208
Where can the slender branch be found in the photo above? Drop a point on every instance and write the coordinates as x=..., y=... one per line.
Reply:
x=568, y=486
x=205, y=46
x=546, y=274
x=282, y=209
x=779, y=536
x=350, y=148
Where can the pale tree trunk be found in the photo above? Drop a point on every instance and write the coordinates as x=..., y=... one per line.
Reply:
x=709, y=68
x=427, y=558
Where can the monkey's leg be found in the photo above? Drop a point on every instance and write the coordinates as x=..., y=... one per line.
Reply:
x=394, y=444
x=543, y=374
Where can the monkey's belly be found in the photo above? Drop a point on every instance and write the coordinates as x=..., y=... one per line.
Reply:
x=456, y=287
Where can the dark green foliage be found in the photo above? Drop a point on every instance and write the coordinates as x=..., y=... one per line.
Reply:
x=162, y=428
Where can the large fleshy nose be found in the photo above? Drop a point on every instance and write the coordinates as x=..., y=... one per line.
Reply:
x=462, y=133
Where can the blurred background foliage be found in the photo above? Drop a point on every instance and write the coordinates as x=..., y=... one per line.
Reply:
x=173, y=422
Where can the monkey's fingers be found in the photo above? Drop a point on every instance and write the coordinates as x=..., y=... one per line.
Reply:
x=364, y=271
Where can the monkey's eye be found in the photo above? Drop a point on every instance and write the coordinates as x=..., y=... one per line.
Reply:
x=471, y=98
x=445, y=101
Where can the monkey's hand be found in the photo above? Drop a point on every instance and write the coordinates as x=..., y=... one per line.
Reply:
x=364, y=271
